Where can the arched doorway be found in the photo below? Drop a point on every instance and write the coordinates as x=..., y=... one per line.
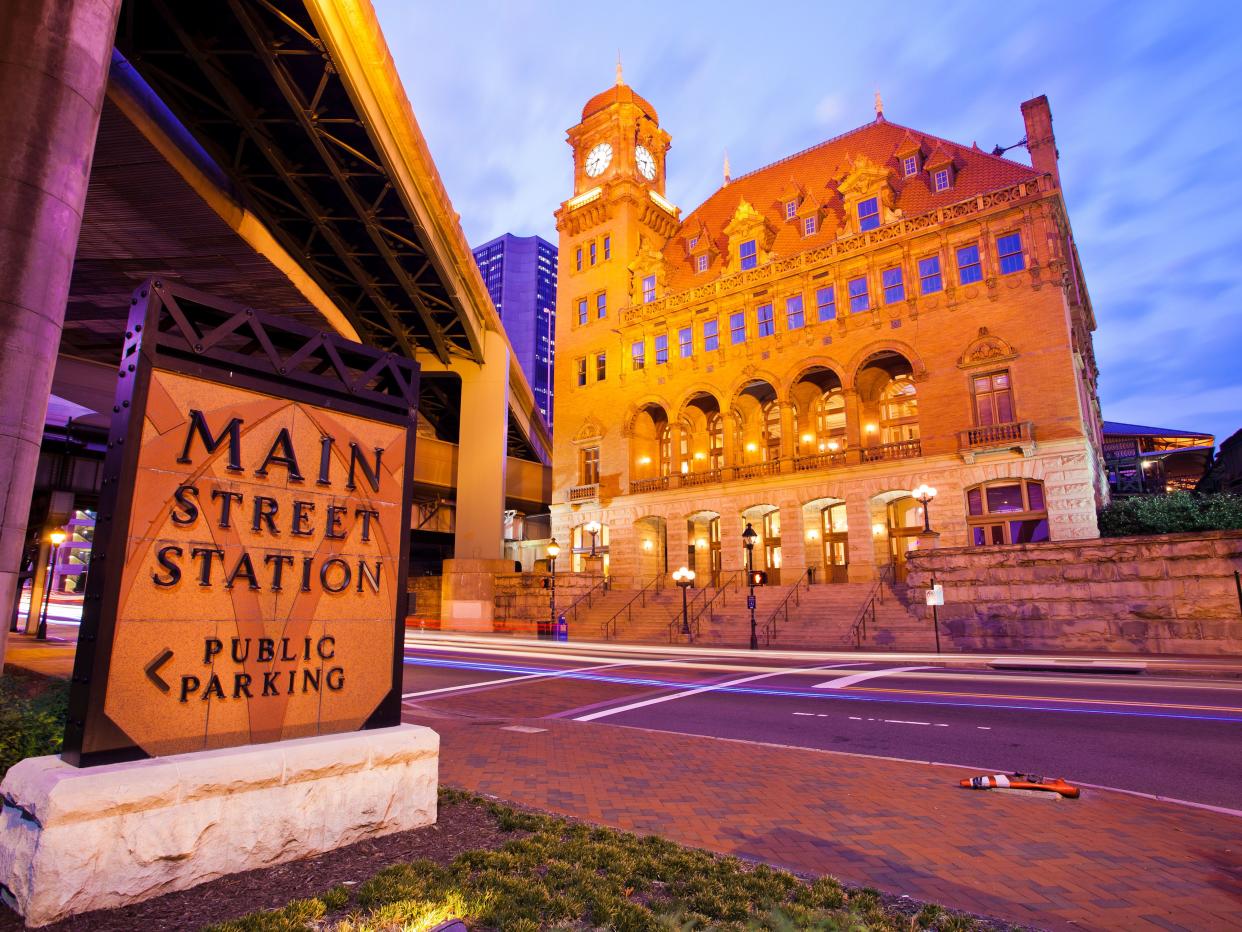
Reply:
x=904, y=518
x=702, y=438
x=766, y=521
x=888, y=400
x=819, y=406
x=760, y=414
x=652, y=535
x=703, y=546
x=827, y=539
x=589, y=554
x=651, y=452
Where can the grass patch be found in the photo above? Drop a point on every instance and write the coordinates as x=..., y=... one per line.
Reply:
x=565, y=875
x=32, y=716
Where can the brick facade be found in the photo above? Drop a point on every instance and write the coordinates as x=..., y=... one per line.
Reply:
x=857, y=409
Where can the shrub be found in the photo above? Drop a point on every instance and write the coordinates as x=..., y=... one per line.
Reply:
x=1170, y=514
x=32, y=717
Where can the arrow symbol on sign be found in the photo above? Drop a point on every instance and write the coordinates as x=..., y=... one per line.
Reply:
x=152, y=669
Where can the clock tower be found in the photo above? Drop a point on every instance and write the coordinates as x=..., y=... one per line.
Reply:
x=617, y=215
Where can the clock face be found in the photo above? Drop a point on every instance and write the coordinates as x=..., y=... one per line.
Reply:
x=598, y=158
x=644, y=161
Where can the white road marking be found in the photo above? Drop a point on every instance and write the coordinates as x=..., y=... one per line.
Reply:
x=844, y=681
x=804, y=713
x=897, y=721
x=511, y=679
x=984, y=727
x=604, y=713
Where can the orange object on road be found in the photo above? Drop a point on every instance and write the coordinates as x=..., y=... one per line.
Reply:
x=1021, y=781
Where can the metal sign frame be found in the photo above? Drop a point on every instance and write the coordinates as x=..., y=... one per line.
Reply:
x=188, y=332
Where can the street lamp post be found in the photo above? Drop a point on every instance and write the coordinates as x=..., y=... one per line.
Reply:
x=57, y=538
x=553, y=549
x=925, y=493
x=748, y=541
x=593, y=529
x=685, y=579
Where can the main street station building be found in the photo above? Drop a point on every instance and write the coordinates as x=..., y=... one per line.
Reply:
x=802, y=351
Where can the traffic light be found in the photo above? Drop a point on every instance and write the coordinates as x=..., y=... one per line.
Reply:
x=758, y=578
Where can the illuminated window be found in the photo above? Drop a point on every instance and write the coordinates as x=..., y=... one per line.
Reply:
x=700, y=263
x=859, y=299
x=942, y=180
x=661, y=348
x=582, y=311
x=1009, y=250
x=894, y=285
x=601, y=366
x=1006, y=511
x=607, y=247
x=582, y=372
x=711, y=335
x=648, y=289
x=601, y=305
x=826, y=302
x=638, y=355
x=929, y=275
x=993, y=399
x=969, y=268
x=869, y=213
x=765, y=320
x=737, y=328
x=588, y=466
x=899, y=411
x=808, y=226
x=910, y=165
x=685, y=342
x=748, y=254
x=794, y=318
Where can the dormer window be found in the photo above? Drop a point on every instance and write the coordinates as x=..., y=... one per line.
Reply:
x=694, y=241
x=748, y=255
x=649, y=289
x=700, y=263
x=868, y=214
x=910, y=165
x=791, y=209
x=942, y=180
x=808, y=226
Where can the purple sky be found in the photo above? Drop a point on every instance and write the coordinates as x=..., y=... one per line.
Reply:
x=1146, y=101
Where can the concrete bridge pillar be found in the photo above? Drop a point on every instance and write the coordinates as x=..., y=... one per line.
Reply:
x=54, y=57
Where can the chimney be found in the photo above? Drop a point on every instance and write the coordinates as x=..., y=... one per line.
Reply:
x=1040, y=141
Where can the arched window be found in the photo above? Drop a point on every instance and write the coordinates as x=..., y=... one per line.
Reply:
x=715, y=439
x=830, y=420
x=1006, y=511
x=899, y=411
x=666, y=450
x=771, y=432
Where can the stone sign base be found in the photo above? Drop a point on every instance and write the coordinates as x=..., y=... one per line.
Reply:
x=74, y=840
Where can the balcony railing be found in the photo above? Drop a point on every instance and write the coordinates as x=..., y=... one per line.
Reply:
x=901, y=450
x=755, y=470
x=659, y=483
x=700, y=478
x=819, y=461
x=584, y=493
x=1018, y=435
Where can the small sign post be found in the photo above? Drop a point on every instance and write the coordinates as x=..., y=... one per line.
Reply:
x=935, y=597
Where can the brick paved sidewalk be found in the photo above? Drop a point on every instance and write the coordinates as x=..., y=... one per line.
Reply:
x=1105, y=861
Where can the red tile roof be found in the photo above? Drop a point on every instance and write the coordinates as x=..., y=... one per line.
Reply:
x=818, y=170
x=618, y=93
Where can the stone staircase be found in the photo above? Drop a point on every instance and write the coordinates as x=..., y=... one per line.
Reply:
x=822, y=618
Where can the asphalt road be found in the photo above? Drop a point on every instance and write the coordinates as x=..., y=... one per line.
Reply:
x=1173, y=737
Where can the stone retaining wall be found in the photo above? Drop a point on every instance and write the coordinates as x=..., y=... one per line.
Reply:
x=1168, y=593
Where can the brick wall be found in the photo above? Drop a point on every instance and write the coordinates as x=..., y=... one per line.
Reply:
x=1170, y=593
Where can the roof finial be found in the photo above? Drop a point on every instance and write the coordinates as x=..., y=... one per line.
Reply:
x=879, y=106
x=619, y=80
x=727, y=175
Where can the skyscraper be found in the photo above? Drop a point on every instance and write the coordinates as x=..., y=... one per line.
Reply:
x=520, y=274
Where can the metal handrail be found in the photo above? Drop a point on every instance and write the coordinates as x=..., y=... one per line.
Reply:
x=859, y=629
x=588, y=597
x=769, y=626
x=611, y=623
x=720, y=592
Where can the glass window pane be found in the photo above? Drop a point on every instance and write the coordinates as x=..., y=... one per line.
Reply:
x=765, y=319
x=1003, y=498
x=793, y=312
x=859, y=301
x=1028, y=532
x=711, y=335
x=969, y=268
x=737, y=327
x=869, y=214
x=980, y=536
x=1035, y=495
x=826, y=301
x=1004, y=408
x=974, y=502
x=748, y=254
x=998, y=534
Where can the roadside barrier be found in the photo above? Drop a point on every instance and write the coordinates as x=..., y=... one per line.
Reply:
x=1021, y=781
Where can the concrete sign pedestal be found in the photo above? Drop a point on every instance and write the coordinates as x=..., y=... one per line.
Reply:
x=74, y=840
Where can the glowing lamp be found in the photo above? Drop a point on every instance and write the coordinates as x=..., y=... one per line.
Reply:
x=554, y=548
x=644, y=461
x=648, y=544
x=812, y=534
x=700, y=455
x=701, y=543
x=57, y=538
x=877, y=529
x=808, y=438
x=870, y=428
x=833, y=446
x=751, y=447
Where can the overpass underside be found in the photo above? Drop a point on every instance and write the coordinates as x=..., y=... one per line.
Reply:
x=262, y=151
